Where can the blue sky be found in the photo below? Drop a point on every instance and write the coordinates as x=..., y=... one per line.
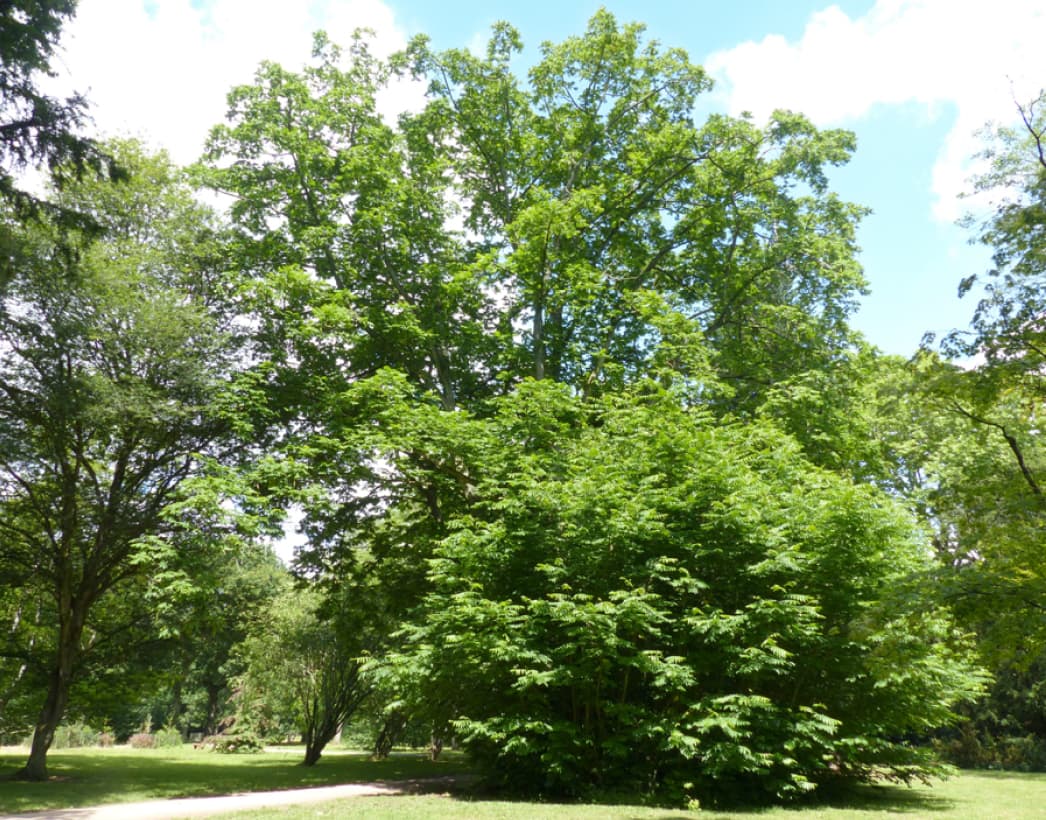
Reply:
x=912, y=78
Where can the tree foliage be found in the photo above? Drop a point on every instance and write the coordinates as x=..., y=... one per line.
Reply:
x=642, y=598
x=598, y=582
x=115, y=390
x=304, y=662
x=35, y=128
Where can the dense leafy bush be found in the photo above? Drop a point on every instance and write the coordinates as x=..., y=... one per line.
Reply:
x=142, y=740
x=646, y=599
x=970, y=748
x=1006, y=729
x=75, y=736
x=168, y=738
x=245, y=741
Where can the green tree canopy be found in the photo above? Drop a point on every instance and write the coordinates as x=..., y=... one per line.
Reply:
x=116, y=388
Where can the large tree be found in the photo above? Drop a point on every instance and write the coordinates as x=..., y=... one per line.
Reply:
x=114, y=370
x=577, y=225
x=598, y=217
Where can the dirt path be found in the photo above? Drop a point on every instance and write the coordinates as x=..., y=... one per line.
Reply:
x=206, y=806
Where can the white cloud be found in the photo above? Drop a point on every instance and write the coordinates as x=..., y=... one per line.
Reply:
x=161, y=70
x=969, y=56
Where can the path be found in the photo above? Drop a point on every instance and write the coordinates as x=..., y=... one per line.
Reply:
x=206, y=806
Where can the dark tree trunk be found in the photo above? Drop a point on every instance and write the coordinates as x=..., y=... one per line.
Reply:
x=390, y=730
x=213, y=692
x=313, y=751
x=54, y=704
x=316, y=740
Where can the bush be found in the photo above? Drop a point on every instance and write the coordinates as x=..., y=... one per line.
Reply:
x=232, y=743
x=168, y=738
x=142, y=740
x=972, y=749
x=74, y=736
x=658, y=603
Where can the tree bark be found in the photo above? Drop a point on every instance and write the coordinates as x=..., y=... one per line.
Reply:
x=387, y=735
x=53, y=710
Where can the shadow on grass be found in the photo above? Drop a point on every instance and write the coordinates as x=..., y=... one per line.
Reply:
x=94, y=777
x=888, y=799
x=873, y=799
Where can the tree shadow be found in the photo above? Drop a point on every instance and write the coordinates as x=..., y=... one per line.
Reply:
x=84, y=778
x=874, y=799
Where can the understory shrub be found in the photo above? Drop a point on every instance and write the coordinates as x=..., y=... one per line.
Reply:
x=75, y=736
x=645, y=599
x=142, y=740
x=167, y=738
x=972, y=749
x=246, y=741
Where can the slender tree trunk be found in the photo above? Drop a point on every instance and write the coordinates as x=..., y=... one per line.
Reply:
x=389, y=732
x=213, y=691
x=538, y=332
x=317, y=738
x=441, y=358
x=313, y=752
x=57, y=698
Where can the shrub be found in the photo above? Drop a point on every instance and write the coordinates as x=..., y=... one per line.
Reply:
x=142, y=740
x=659, y=603
x=168, y=738
x=231, y=743
x=74, y=736
x=972, y=749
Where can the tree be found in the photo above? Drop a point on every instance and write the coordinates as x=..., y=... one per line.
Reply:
x=998, y=486
x=606, y=235
x=1007, y=327
x=343, y=219
x=598, y=218
x=605, y=210
x=116, y=387
x=577, y=228
x=1007, y=323
x=203, y=624
x=306, y=662
x=644, y=598
x=34, y=127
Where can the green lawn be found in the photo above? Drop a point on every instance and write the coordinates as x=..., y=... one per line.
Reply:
x=93, y=776
x=970, y=796
x=84, y=777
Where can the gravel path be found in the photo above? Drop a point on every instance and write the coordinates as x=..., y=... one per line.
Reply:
x=206, y=806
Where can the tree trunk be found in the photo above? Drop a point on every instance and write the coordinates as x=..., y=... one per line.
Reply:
x=316, y=739
x=538, y=332
x=53, y=708
x=213, y=691
x=313, y=751
x=387, y=735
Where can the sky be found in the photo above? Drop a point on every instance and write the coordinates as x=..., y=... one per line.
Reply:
x=914, y=80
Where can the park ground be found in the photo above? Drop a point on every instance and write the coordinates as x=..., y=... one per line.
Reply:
x=92, y=777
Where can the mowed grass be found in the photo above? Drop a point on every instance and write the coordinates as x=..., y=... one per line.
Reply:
x=87, y=777
x=969, y=796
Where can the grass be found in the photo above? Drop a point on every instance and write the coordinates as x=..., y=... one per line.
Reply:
x=970, y=796
x=84, y=777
